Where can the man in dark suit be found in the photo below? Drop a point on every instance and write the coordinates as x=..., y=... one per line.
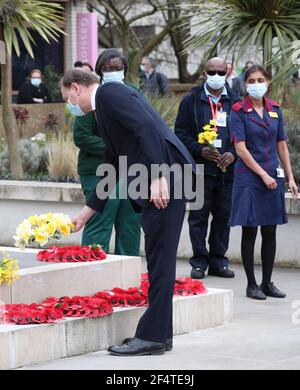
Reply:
x=130, y=127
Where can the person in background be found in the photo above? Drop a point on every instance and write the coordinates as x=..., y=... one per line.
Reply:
x=257, y=130
x=83, y=65
x=33, y=90
x=238, y=85
x=231, y=75
x=118, y=213
x=152, y=83
x=212, y=100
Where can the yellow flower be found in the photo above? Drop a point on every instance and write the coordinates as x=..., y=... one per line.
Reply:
x=40, y=236
x=33, y=220
x=9, y=269
x=213, y=122
x=206, y=128
x=50, y=228
x=64, y=229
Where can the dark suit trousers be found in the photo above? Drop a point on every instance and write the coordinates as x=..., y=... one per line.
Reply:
x=162, y=230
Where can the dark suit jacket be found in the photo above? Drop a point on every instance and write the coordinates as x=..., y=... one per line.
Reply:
x=131, y=127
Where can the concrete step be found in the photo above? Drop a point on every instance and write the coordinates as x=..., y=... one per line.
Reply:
x=41, y=280
x=24, y=345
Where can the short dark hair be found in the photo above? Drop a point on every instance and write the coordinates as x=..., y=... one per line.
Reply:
x=109, y=54
x=78, y=64
x=79, y=76
x=256, y=68
x=88, y=65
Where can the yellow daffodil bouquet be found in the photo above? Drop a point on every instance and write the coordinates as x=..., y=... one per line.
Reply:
x=9, y=269
x=38, y=230
x=209, y=135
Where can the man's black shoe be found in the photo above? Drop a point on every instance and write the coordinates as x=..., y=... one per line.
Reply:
x=224, y=272
x=168, y=343
x=271, y=291
x=255, y=292
x=197, y=273
x=137, y=347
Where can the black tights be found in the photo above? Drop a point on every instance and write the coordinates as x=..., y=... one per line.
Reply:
x=268, y=249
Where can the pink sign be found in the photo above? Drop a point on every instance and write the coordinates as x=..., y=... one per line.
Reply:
x=87, y=37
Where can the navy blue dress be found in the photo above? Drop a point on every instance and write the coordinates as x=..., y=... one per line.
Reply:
x=253, y=204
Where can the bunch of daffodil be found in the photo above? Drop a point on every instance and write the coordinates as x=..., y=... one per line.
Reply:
x=9, y=269
x=38, y=230
x=209, y=134
x=208, y=137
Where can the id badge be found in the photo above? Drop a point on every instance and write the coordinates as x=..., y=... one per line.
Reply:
x=218, y=143
x=221, y=118
x=280, y=172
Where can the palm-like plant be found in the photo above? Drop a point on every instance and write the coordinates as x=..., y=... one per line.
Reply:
x=21, y=16
x=236, y=25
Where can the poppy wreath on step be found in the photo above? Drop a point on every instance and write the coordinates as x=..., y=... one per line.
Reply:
x=80, y=306
x=99, y=305
x=29, y=314
x=72, y=254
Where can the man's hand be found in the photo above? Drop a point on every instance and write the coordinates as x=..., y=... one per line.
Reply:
x=226, y=160
x=159, y=193
x=81, y=219
x=211, y=154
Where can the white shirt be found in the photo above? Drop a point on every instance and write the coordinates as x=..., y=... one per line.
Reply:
x=93, y=97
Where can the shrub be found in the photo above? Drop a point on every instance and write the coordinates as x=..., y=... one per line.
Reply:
x=33, y=157
x=63, y=155
x=167, y=107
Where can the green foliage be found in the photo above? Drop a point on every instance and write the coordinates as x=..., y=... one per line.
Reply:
x=51, y=80
x=291, y=115
x=236, y=25
x=22, y=15
x=167, y=107
x=34, y=158
x=293, y=130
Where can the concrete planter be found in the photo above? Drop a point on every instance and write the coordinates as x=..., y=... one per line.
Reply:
x=18, y=200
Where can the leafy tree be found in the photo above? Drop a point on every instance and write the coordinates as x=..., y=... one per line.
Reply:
x=236, y=25
x=18, y=17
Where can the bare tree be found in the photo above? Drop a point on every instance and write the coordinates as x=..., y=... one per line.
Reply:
x=118, y=18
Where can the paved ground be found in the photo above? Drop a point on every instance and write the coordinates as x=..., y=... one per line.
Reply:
x=263, y=334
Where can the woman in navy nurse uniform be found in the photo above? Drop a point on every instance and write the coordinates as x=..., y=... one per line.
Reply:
x=257, y=130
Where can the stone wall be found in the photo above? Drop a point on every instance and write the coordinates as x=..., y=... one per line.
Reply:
x=18, y=200
x=37, y=116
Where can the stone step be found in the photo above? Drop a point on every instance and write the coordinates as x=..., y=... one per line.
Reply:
x=23, y=345
x=39, y=280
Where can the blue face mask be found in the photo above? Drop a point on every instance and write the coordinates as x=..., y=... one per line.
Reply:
x=116, y=77
x=216, y=82
x=36, y=82
x=257, y=90
x=75, y=109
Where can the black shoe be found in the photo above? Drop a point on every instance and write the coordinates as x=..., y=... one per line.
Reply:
x=271, y=291
x=224, y=272
x=197, y=273
x=137, y=347
x=168, y=343
x=255, y=292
